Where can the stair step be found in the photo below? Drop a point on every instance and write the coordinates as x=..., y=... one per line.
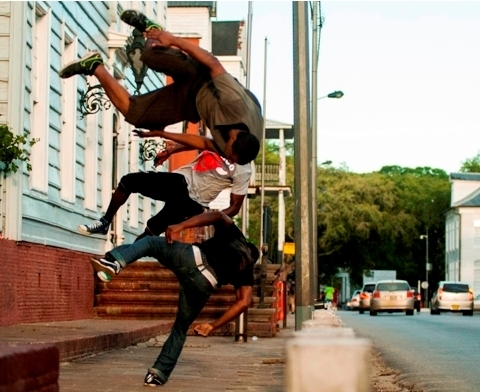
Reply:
x=120, y=297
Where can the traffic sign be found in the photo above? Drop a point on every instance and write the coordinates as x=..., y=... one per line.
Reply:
x=424, y=285
x=289, y=248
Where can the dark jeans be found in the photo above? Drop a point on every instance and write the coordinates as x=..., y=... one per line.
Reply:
x=175, y=102
x=168, y=187
x=195, y=290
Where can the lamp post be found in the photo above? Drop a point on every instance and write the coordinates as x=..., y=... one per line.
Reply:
x=336, y=94
x=134, y=52
x=427, y=267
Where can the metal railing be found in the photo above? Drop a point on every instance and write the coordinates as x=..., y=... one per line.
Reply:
x=271, y=174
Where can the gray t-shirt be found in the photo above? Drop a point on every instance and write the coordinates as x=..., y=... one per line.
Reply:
x=209, y=174
x=224, y=101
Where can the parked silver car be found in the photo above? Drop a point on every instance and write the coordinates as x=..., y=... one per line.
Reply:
x=452, y=296
x=476, y=303
x=392, y=296
x=354, y=302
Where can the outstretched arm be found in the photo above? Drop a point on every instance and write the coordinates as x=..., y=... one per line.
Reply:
x=236, y=202
x=196, y=142
x=167, y=39
x=205, y=219
x=244, y=298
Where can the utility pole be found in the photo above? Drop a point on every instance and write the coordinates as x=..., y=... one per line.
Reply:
x=303, y=215
x=242, y=320
x=315, y=40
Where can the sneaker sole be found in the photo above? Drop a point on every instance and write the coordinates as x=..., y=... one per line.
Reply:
x=86, y=232
x=83, y=231
x=99, y=267
x=104, y=277
x=74, y=62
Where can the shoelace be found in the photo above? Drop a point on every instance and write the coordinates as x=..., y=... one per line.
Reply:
x=95, y=225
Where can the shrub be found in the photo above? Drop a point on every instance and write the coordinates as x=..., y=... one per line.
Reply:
x=12, y=150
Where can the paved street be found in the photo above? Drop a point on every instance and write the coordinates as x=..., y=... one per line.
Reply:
x=206, y=364
x=436, y=353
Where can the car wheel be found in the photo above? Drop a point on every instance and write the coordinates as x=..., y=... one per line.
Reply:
x=373, y=313
x=409, y=312
x=361, y=311
x=468, y=313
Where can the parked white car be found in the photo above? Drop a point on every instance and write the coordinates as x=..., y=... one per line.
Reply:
x=452, y=296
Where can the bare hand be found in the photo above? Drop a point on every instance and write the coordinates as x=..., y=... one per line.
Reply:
x=204, y=329
x=164, y=38
x=171, y=230
x=161, y=157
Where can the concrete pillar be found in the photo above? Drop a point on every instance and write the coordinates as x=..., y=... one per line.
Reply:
x=333, y=365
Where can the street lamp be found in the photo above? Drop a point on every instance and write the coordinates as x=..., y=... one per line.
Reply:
x=336, y=94
x=427, y=267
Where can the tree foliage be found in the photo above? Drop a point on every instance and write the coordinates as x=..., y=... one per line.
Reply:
x=370, y=221
x=12, y=150
x=471, y=165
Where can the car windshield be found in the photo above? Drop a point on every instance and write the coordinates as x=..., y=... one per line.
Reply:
x=394, y=286
x=369, y=288
x=455, y=287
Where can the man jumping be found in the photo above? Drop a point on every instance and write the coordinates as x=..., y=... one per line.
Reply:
x=226, y=258
x=202, y=89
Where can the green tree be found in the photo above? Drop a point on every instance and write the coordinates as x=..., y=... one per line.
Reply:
x=12, y=150
x=374, y=221
x=471, y=165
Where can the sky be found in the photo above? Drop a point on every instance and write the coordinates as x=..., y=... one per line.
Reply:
x=409, y=71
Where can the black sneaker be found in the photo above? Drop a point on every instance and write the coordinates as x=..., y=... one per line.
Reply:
x=106, y=265
x=153, y=380
x=84, y=66
x=139, y=21
x=96, y=227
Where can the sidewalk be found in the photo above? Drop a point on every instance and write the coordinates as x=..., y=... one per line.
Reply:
x=206, y=364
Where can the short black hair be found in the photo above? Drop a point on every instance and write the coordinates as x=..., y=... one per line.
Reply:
x=246, y=147
x=254, y=253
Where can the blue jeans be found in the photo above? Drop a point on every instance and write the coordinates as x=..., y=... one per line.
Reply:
x=195, y=290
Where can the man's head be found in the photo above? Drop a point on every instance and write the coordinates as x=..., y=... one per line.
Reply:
x=241, y=146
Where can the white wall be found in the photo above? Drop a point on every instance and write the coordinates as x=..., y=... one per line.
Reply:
x=191, y=20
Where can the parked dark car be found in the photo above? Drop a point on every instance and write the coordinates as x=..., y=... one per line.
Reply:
x=417, y=299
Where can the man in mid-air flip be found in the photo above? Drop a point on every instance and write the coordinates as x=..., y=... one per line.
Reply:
x=202, y=89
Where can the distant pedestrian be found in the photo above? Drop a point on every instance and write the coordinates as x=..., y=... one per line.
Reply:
x=329, y=292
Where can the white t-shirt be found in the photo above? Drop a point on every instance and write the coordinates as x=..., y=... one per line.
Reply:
x=209, y=174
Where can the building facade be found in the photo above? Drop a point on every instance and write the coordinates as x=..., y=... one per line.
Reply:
x=83, y=145
x=78, y=157
x=462, y=230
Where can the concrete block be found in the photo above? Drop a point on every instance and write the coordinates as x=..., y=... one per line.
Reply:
x=324, y=322
x=325, y=332
x=329, y=365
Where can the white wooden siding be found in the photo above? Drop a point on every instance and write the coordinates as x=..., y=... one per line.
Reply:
x=52, y=215
x=191, y=20
x=5, y=7
x=234, y=66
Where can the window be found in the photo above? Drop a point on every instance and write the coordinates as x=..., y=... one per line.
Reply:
x=40, y=96
x=394, y=286
x=455, y=287
x=69, y=123
x=91, y=161
x=476, y=233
